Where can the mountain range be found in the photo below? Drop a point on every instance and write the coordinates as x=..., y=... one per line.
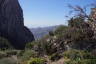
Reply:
x=40, y=32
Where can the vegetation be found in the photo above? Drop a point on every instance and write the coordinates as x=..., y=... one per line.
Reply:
x=75, y=43
x=79, y=57
x=36, y=61
x=55, y=57
x=5, y=44
x=87, y=61
x=26, y=55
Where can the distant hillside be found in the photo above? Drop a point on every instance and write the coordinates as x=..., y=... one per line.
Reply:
x=42, y=31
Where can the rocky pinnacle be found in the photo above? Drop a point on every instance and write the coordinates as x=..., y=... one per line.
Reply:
x=12, y=24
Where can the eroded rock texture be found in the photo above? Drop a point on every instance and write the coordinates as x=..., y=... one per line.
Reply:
x=12, y=25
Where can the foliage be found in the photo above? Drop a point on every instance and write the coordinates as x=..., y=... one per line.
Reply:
x=79, y=57
x=76, y=22
x=55, y=56
x=5, y=44
x=86, y=61
x=26, y=55
x=36, y=61
x=43, y=46
x=31, y=45
x=60, y=30
x=78, y=54
x=11, y=52
x=78, y=38
x=78, y=35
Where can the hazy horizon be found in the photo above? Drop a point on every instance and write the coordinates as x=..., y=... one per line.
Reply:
x=42, y=13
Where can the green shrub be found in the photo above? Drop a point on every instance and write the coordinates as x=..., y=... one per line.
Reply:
x=28, y=54
x=86, y=61
x=76, y=22
x=11, y=52
x=72, y=54
x=36, y=61
x=5, y=44
x=79, y=57
x=31, y=45
x=20, y=53
x=78, y=54
x=60, y=30
x=55, y=57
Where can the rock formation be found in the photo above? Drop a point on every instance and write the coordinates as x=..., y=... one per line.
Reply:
x=12, y=25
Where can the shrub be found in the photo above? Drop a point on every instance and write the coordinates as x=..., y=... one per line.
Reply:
x=20, y=53
x=77, y=54
x=60, y=30
x=86, y=61
x=11, y=52
x=79, y=57
x=72, y=54
x=76, y=22
x=5, y=44
x=36, y=61
x=55, y=56
x=28, y=54
x=31, y=45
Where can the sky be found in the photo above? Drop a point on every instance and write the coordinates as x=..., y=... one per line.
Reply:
x=41, y=13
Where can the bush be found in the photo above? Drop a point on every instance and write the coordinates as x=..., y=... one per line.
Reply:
x=79, y=38
x=31, y=45
x=79, y=57
x=37, y=61
x=5, y=44
x=28, y=54
x=60, y=30
x=86, y=61
x=11, y=52
x=76, y=22
x=55, y=57
x=77, y=54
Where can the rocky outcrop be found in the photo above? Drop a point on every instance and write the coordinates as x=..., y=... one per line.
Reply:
x=12, y=25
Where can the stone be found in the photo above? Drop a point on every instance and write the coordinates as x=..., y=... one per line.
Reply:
x=12, y=24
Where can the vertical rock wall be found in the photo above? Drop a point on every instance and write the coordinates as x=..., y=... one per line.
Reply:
x=12, y=24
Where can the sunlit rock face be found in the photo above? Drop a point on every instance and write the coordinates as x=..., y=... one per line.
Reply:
x=12, y=24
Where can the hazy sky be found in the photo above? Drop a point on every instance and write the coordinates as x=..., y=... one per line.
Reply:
x=39, y=13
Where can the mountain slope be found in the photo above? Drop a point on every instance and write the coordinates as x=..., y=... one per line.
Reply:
x=42, y=31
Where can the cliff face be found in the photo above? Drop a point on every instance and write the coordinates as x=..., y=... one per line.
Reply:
x=12, y=25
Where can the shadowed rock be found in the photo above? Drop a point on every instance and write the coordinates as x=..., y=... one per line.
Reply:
x=12, y=25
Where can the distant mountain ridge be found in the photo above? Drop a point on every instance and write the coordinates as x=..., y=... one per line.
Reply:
x=42, y=31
